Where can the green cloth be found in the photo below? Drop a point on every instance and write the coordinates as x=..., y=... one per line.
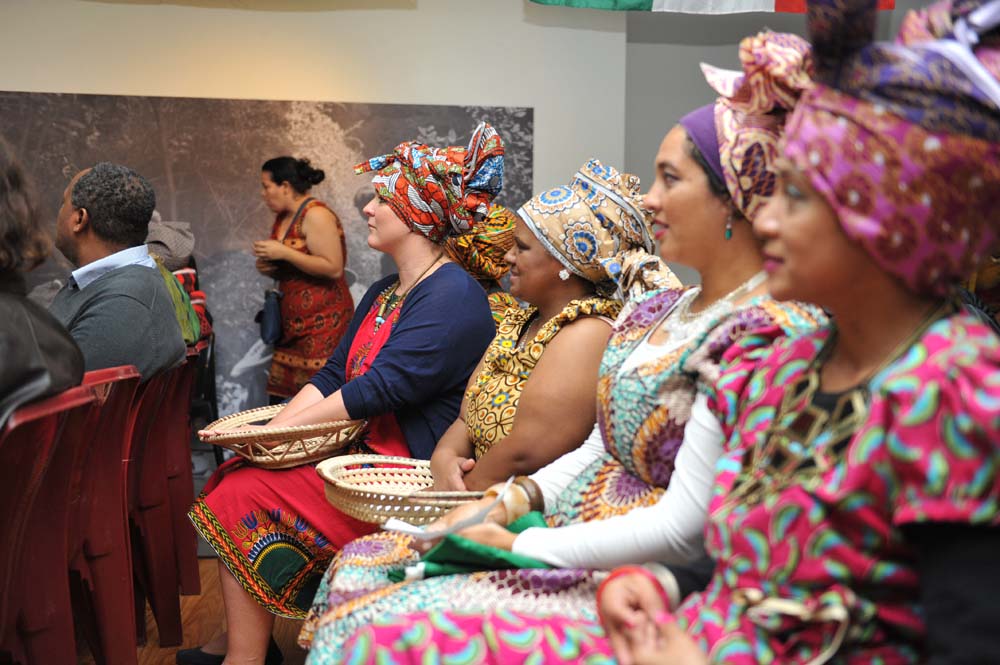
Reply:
x=187, y=318
x=456, y=555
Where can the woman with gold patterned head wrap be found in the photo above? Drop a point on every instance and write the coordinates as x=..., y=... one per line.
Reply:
x=481, y=252
x=568, y=319
x=609, y=498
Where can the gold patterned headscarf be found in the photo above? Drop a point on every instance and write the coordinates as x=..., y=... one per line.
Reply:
x=481, y=251
x=596, y=226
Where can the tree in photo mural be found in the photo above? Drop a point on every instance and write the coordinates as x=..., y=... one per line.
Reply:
x=203, y=157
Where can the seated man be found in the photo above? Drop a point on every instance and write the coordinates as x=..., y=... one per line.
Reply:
x=115, y=305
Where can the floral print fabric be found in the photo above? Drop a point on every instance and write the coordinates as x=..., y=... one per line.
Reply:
x=750, y=112
x=813, y=554
x=594, y=224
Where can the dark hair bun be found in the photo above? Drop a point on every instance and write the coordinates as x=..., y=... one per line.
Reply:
x=308, y=174
x=298, y=173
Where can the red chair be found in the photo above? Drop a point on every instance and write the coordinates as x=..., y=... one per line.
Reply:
x=148, y=498
x=39, y=448
x=176, y=414
x=99, y=554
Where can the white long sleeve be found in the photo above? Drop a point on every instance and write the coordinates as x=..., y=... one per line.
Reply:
x=670, y=531
x=556, y=476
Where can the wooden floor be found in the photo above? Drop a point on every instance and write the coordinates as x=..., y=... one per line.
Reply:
x=202, y=617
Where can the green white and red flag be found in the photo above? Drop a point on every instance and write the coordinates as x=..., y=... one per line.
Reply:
x=696, y=6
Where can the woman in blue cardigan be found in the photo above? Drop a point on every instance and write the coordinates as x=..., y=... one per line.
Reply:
x=403, y=365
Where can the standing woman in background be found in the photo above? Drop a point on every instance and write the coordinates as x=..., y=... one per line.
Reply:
x=306, y=253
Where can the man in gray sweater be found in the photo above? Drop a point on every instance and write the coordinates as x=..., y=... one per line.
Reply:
x=115, y=305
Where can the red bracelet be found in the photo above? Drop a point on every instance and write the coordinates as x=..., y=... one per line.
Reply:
x=629, y=570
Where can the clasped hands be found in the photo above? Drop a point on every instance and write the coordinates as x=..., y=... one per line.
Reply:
x=639, y=625
x=270, y=250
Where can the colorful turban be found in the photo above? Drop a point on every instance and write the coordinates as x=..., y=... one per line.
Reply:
x=440, y=191
x=593, y=226
x=749, y=115
x=481, y=251
x=903, y=140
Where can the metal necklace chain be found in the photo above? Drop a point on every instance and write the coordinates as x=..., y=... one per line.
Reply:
x=391, y=299
x=528, y=336
x=683, y=309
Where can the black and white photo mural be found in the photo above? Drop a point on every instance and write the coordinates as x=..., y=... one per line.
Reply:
x=203, y=157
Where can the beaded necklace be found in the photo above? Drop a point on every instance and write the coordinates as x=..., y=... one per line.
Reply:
x=391, y=300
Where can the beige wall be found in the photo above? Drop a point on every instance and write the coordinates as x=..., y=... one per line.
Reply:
x=664, y=81
x=568, y=65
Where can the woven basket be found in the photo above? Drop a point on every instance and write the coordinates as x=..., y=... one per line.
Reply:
x=295, y=446
x=374, y=494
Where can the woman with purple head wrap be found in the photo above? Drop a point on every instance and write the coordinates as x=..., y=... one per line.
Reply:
x=855, y=507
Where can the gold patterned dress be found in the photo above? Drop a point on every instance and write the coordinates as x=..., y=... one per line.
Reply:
x=492, y=402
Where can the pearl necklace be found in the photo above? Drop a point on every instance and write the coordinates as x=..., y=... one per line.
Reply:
x=683, y=309
x=682, y=324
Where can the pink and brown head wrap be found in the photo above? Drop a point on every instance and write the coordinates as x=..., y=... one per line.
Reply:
x=903, y=140
x=739, y=134
x=440, y=191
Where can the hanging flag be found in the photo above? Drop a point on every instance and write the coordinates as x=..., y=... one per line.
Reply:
x=696, y=6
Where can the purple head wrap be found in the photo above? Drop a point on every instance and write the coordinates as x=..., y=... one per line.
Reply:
x=700, y=126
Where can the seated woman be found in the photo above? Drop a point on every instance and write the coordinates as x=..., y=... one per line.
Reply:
x=517, y=392
x=403, y=364
x=481, y=252
x=607, y=497
x=856, y=507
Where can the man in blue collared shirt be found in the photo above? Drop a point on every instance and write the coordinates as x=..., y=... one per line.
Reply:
x=115, y=305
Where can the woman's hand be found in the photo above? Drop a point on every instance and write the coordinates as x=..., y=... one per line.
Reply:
x=661, y=641
x=496, y=516
x=266, y=268
x=270, y=250
x=241, y=428
x=492, y=535
x=448, y=473
x=628, y=602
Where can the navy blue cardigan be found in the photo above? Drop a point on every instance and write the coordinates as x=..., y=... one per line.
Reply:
x=420, y=374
